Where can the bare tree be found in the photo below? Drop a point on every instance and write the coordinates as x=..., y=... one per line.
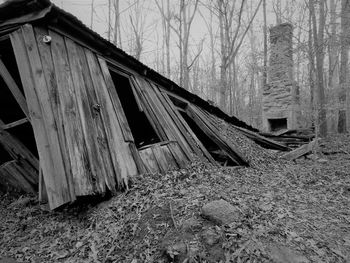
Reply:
x=333, y=69
x=117, y=32
x=318, y=37
x=166, y=26
x=344, y=114
x=265, y=45
x=231, y=39
x=92, y=14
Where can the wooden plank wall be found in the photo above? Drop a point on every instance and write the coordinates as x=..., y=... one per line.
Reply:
x=84, y=142
x=161, y=157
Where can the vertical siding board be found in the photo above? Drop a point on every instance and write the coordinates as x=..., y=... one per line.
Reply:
x=71, y=117
x=151, y=116
x=56, y=182
x=89, y=131
x=189, y=130
x=103, y=154
x=116, y=102
x=123, y=162
x=52, y=96
x=156, y=107
x=183, y=139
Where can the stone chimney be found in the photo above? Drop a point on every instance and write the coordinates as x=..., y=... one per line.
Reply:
x=280, y=102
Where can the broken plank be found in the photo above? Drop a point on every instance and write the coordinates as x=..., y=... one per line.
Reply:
x=14, y=124
x=11, y=84
x=116, y=101
x=198, y=143
x=213, y=133
x=301, y=151
x=13, y=173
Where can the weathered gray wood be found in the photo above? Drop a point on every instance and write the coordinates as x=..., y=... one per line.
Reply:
x=52, y=114
x=213, y=133
x=178, y=154
x=124, y=164
x=116, y=101
x=14, y=124
x=13, y=173
x=18, y=150
x=197, y=143
x=160, y=158
x=11, y=84
x=95, y=172
x=150, y=114
x=180, y=135
x=301, y=151
x=103, y=156
x=149, y=160
x=168, y=156
x=71, y=117
x=136, y=155
x=47, y=141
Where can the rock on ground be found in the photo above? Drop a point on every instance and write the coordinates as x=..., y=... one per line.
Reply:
x=220, y=212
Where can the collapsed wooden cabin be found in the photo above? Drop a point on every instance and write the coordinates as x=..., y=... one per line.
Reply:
x=80, y=117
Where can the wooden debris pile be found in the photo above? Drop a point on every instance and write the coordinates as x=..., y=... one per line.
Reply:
x=291, y=138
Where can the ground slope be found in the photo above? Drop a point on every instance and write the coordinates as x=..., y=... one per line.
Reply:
x=287, y=212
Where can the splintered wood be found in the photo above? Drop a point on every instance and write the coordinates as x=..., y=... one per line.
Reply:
x=301, y=151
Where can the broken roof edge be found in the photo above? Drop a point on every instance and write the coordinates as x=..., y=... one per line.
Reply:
x=36, y=11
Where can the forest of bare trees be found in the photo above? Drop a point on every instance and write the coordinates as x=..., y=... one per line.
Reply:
x=219, y=50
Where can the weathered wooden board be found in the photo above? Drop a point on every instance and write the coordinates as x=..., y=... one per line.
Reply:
x=71, y=117
x=96, y=128
x=57, y=184
x=190, y=134
x=178, y=154
x=15, y=175
x=150, y=113
x=18, y=150
x=51, y=104
x=163, y=163
x=124, y=164
x=116, y=102
x=15, y=123
x=196, y=145
x=96, y=172
x=172, y=120
x=135, y=153
x=301, y=151
x=11, y=84
x=149, y=160
x=213, y=133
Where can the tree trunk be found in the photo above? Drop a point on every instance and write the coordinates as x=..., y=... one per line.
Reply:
x=265, y=46
x=333, y=71
x=319, y=48
x=117, y=34
x=343, y=123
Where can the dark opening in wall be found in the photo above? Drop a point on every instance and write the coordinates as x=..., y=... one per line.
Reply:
x=140, y=126
x=10, y=111
x=215, y=151
x=277, y=124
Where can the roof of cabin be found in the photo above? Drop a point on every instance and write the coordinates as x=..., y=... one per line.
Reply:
x=17, y=12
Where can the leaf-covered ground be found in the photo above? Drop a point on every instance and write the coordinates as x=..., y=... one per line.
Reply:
x=288, y=212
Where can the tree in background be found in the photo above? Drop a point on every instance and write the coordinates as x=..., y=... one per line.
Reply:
x=344, y=112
